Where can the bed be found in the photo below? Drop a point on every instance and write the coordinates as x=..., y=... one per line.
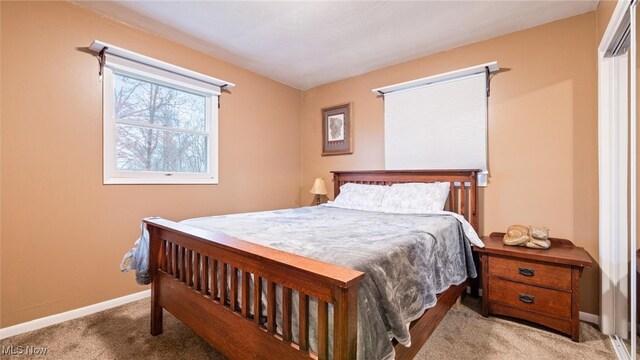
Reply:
x=307, y=308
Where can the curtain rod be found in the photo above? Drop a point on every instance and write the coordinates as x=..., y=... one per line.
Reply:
x=103, y=48
x=487, y=68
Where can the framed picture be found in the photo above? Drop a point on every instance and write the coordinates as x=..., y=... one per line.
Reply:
x=337, y=125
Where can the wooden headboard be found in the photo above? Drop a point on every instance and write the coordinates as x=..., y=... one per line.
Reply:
x=458, y=180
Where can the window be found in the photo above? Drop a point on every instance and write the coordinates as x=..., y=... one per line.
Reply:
x=160, y=127
x=438, y=122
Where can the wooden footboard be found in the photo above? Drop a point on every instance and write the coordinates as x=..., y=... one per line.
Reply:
x=189, y=270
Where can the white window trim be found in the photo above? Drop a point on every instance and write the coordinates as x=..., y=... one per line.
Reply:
x=110, y=174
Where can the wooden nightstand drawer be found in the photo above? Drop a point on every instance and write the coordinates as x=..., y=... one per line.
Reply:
x=531, y=272
x=531, y=298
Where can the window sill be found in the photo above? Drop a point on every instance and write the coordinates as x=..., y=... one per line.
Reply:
x=168, y=180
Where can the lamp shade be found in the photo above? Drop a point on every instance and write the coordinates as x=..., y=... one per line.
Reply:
x=318, y=187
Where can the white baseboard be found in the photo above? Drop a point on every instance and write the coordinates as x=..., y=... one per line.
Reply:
x=584, y=316
x=70, y=315
x=590, y=318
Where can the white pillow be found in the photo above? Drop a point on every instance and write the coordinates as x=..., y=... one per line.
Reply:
x=415, y=198
x=360, y=197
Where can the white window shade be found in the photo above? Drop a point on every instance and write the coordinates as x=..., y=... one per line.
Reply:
x=441, y=125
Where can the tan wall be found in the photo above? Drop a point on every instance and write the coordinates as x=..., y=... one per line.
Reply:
x=64, y=231
x=542, y=130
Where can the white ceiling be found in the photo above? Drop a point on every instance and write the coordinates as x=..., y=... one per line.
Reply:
x=308, y=43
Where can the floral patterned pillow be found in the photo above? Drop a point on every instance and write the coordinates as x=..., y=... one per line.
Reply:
x=360, y=197
x=415, y=198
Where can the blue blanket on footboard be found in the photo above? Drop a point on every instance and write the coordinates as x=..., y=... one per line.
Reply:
x=407, y=261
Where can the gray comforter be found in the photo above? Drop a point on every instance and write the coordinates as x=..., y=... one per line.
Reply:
x=407, y=259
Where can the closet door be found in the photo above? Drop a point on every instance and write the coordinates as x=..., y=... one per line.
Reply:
x=617, y=179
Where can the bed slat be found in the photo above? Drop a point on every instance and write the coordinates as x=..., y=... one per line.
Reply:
x=197, y=271
x=286, y=313
x=345, y=322
x=178, y=272
x=176, y=261
x=215, y=272
x=303, y=321
x=257, y=298
x=323, y=330
x=160, y=259
x=223, y=283
x=205, y=275
x=473, y=205
x=183, y=265
x=189, y=272
x=452, y=196
x=163, y=262
x=463, y=203
x=233, y=297
x=271, y=306
x=171, y=258
x=246, y=279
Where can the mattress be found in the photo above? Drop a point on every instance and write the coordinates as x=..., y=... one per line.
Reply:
x=407, y=261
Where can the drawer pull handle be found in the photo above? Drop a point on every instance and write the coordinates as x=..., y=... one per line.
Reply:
x=527, y=298
x=526, y=271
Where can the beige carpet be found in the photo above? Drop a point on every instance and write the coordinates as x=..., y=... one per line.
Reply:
x=123, y=333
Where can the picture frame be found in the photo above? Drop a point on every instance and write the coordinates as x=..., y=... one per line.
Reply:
x=337, y=130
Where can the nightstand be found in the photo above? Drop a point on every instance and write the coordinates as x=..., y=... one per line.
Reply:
x=541, y=286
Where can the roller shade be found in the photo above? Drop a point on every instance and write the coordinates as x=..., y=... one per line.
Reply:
x=441, y=125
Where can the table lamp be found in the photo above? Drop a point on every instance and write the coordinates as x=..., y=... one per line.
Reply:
x=318, y=189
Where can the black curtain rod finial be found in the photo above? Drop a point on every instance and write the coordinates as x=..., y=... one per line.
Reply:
x=488, y=78
x=101, y=60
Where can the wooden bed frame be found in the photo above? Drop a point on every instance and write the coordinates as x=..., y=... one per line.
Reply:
x=185, y=263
